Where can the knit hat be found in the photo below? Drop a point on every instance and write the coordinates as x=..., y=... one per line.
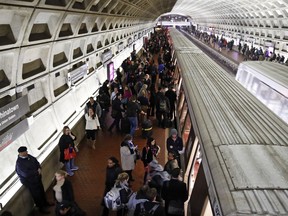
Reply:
x=22, y=149
x=173, y=132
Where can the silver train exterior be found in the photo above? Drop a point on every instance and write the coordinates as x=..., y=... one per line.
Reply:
x=268, y=81
x=243, y=144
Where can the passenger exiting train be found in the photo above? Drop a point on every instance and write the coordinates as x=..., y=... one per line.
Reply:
x=68, y=150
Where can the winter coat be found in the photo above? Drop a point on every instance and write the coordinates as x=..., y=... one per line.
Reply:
x=127, y=158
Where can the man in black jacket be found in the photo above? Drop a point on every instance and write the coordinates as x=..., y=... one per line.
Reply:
x=174, y=190
x=29, y=172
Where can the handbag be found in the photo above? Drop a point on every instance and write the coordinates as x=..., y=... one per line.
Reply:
x=114, y=113
x=69, y=153
x=176, y=207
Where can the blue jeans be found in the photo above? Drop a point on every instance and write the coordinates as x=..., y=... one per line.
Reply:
x=69, y=165
x=133, y=125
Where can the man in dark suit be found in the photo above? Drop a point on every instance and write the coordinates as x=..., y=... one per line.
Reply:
x=29, y=172
x=174, y=190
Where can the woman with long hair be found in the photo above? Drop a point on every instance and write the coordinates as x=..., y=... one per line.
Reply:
x=122, y=182
x=62, y=189
x=92, y=124
x=67, y=142
x=149, y=153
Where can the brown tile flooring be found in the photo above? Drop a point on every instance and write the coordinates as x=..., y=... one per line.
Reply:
x=88, y=181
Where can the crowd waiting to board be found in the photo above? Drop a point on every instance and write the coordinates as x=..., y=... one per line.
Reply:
x=157, y=194
x=250, y=53
x=131, y=99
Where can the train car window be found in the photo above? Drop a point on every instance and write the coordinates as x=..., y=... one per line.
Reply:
x=188, y=146
x=180, y=100
x=189, y=172
x=186, y=129
x=183, y=114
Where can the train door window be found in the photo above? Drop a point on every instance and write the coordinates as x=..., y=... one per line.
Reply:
x=186, y=129
x=193, y=166
x=178, y=87
x=188, y=146
x=183, y=114
x=180, y=100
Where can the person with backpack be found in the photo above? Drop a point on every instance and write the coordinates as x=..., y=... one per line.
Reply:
x=113, y=169
x=137, y=197
x=175, y=193
x=150, y=207
x=162, y=110
x=118, y=197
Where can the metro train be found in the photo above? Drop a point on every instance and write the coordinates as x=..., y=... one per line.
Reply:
x=235, y=158
x=268, y=81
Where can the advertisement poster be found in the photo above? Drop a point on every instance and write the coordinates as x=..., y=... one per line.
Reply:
x=110, y=71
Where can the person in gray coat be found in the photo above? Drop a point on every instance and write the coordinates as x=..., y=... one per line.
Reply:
x=128, y=155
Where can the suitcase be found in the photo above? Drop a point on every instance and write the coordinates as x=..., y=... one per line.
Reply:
x=125, y=125
x=147, y=129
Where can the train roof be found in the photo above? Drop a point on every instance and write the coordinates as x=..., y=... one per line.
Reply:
x=275, y=72
x=243, y=142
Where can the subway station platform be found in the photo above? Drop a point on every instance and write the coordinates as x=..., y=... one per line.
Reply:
x=89, y=181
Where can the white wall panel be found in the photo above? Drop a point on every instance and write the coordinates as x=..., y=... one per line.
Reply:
x=41, y=131
x=65, y=108
x=38, y=92
x=30, y=54
x=15, y=20
x=8, y=63
x=40, y=19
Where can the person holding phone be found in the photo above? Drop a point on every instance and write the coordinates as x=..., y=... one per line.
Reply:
x=128, y=155
x=67, y=141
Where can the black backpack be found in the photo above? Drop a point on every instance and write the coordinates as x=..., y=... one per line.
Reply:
x=144, y=212
x=163, y=105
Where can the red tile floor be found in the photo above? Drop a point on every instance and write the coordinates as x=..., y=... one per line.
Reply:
x=88, y=181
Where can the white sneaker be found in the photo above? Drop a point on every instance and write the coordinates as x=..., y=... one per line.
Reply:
x=75, y=168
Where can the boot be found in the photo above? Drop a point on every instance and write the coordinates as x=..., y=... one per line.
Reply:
x=93, y=144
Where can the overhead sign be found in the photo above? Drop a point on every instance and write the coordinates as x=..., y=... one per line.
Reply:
x=120, y=46
x=77, y=74
x=129, y=41
x=268, y=44
x=13, y=111
x=106, y=56
x=13, y=133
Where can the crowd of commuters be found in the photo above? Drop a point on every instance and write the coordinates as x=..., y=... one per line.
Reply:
x=132, y=97
x=249, y=53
